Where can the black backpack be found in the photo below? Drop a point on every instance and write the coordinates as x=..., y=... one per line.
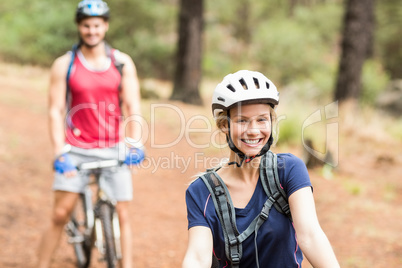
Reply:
x=226, y=213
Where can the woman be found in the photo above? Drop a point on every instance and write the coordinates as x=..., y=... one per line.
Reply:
x=243, y=107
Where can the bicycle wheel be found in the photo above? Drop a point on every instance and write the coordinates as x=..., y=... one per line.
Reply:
x=81, y=242
x=105, y=215
x=77, y=244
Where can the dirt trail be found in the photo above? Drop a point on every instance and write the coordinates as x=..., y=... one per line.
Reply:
x=360, y=208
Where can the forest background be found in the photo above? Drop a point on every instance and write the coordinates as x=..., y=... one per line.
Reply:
x=296, y=43
x=292, y=42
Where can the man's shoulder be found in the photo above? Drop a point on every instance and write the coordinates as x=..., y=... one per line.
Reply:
x=60, y=64
x=121, y=56
x=63, y=59
x=125, y=59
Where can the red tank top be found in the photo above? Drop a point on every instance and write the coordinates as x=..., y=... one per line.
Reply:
x=95, y=112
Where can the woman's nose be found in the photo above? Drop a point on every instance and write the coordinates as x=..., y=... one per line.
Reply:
x=253, y=127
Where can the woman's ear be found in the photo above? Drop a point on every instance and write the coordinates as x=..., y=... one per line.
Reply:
x=222, y=123
x=225, y=126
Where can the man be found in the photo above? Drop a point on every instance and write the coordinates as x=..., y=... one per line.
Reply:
x=96, y=95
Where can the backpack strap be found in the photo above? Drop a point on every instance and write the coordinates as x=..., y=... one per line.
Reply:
x=110, y=52
x=73, y=52
x=227, y=217
x=271, y=184
x=70, y=67
x=225, y=211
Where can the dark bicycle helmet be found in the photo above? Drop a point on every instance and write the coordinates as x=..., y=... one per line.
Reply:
x=92, y=8
x=244, y=87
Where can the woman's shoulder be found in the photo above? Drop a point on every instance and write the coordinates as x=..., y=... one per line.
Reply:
x=292, y=172
x=197, y=186
x=288, y=160
x=197, y=193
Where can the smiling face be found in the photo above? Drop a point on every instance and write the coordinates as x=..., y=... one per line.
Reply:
x=250, y=127
x=92, y=30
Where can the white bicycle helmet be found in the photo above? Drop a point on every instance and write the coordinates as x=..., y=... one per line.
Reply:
x=91, y=8
x=243, y=87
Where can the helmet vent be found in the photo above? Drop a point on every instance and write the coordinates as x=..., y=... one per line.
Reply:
x=231, y=88
x=257, y=85
x=221, y=99
x=243, y=83
x=267, y=84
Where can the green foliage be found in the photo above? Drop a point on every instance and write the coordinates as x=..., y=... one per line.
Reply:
x=388, y=35
x=287, y=49
x=297, y=47
x=30, y=33
x=39, y=31
x=394, y=128
x=289, y=131
x=292, y=51
x=374, y=80
x=285, y=52
x=146, y=31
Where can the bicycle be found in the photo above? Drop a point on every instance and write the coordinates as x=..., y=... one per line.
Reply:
x=94, y=221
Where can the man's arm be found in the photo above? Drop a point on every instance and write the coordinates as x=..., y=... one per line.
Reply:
x=56, y=114
x=131, y=97
x=57, y=103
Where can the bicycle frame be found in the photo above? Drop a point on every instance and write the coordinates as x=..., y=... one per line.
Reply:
x=93, y=233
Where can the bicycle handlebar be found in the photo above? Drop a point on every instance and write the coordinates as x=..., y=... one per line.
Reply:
x=100, y=164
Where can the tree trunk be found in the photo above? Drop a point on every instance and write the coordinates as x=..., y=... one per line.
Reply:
x=188, y=69
x=356, y=47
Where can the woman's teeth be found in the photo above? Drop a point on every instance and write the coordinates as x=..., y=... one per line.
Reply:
x=251, y=141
